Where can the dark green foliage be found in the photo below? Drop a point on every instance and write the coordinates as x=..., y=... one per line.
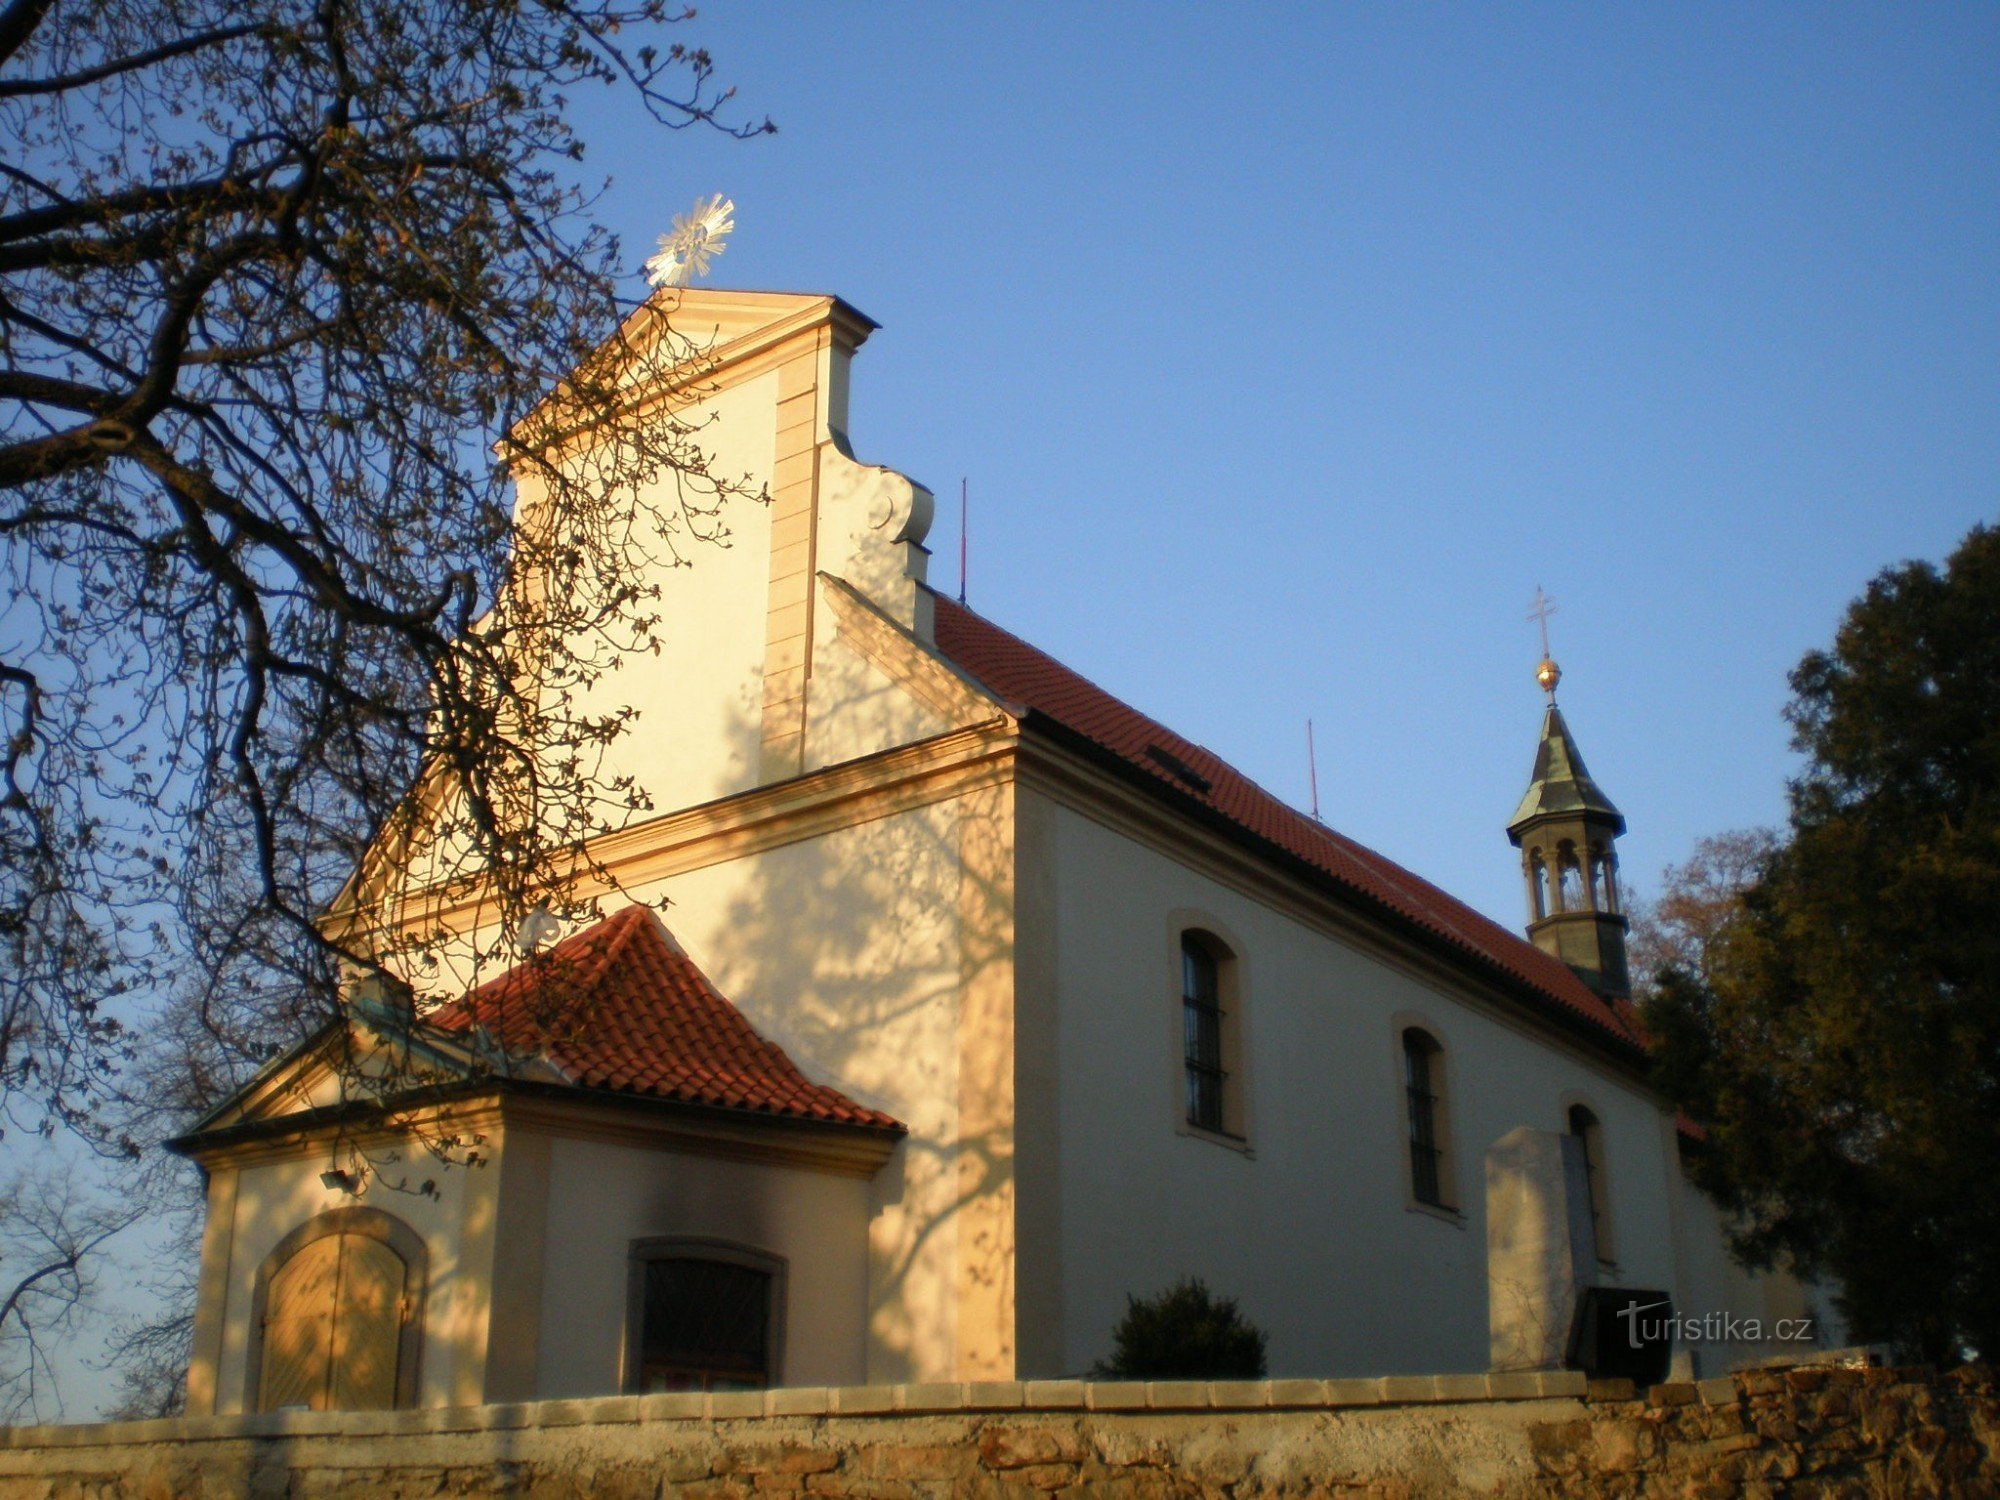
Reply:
x=1843, y=1045
x=1183, y=1333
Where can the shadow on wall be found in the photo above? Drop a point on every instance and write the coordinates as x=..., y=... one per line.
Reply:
x=880, y=956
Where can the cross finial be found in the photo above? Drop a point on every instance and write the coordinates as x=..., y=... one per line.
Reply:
x=1539, y=612
x=1547, y=673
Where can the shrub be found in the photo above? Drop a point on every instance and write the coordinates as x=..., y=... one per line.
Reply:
x=1183, y=1333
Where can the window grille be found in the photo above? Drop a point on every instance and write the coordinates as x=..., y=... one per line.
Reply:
x=1201, y=1016
x=705, y=1326
x=1426, y=1156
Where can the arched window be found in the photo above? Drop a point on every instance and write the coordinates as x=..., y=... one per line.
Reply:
x=338, y=1314
x=705, y=1316
x=1538, y=885
x=1590, y=1135
x=1202, y=1021
x=1211, y=1015
x=1425, y=1117
x=1600, y=878
x=1569, y=879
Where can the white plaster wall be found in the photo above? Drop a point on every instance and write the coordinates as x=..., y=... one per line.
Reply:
x=698, y=701
x=695, y=731
x=602, y=1196
x=853, y=709
x=455, y=1223
x=846, y=950
x=1311, y=1229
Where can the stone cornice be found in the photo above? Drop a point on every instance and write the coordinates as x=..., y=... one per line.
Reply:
x=766, y=817
x=551, y=1109
x=831, y=1401
x=743, y=347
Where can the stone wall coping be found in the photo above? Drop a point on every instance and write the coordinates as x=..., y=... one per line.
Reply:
x=1820, y=1429
x=1024, y=1396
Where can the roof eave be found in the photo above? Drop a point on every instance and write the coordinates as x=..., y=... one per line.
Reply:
x=1533, y=810
x=202, y=1141
x=1545, y=1006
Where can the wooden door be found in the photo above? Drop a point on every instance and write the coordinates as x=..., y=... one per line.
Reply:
x=333, y=1327
x=298, y=1328
x=367, y=1326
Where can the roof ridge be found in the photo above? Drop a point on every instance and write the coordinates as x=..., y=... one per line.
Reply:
x=1021, y=673
x=621, y=936
x=1346, y=845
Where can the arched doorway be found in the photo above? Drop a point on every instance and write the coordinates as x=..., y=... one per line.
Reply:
x=339, y=1315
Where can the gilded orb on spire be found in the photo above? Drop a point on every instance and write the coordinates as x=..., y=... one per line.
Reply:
x=1547, y=673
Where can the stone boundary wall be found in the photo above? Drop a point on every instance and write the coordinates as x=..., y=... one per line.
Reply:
x=1807, y=1431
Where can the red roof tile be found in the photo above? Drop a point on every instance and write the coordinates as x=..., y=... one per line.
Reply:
x=618, y=1006
x=1030, y=679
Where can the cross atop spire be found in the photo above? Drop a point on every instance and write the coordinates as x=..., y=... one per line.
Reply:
x=1539, y=612
x=1547, y=673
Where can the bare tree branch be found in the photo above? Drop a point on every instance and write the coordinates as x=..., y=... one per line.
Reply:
x=18, y=20
x=50, y=1234
x=136, y=63
x=273, y=292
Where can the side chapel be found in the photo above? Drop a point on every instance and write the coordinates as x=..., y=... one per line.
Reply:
x=956, y=1001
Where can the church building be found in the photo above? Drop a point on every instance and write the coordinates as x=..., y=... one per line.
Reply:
x=942, y=1001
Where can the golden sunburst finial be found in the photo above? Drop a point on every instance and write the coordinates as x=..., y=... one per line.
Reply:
x=697, y=238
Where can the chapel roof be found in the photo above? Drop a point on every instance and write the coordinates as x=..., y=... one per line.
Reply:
x=618, y=1006
x=1030, y=679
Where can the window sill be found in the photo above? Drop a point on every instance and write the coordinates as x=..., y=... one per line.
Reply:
x=1236, y=1143
x=1437, y=1211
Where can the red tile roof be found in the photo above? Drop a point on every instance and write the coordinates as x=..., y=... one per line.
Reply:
x=618, y=1006
x=1029, y=679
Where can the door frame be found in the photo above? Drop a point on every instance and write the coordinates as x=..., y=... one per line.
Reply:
x=367, y=1223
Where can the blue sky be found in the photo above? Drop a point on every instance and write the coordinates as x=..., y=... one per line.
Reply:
x=1287, y=351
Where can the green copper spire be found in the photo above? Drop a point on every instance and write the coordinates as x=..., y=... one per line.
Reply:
x=1567, y=832
x=1559, y=783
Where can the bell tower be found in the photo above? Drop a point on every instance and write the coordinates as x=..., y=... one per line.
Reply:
x=1567, y=830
